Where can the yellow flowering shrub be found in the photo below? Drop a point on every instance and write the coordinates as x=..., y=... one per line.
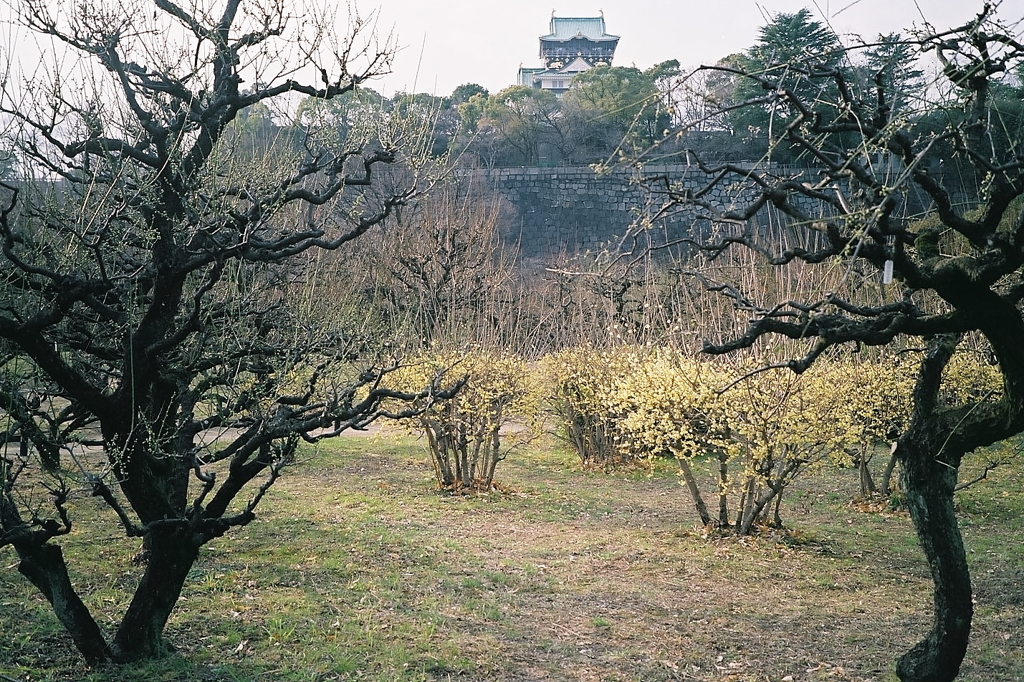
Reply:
x=876, y=397
x=782, y=424
x=969, y=378
x=671, y=405
x=876, y=403
x=737, y=430
x=496, y=411
x=580, y=382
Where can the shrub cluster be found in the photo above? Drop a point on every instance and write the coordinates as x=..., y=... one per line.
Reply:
x=740, y=431
x=496, y=410
x=757, y=428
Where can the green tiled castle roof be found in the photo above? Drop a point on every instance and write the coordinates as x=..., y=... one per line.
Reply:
x=567, y=28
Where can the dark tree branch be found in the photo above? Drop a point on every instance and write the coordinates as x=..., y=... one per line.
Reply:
x=152, y=283
x=960, y=268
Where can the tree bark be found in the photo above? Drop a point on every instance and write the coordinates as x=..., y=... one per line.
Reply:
x=867, y=483
x=691, y=484
x=886, y=487
x=172, y=552
x=44, y=566
x=723, y=486
x=758, y=506
x=777, y=517
x=929, y=484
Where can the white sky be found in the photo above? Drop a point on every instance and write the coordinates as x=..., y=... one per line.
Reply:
x=445, y=43
x=450, y=42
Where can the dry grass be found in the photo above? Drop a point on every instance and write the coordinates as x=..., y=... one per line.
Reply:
x=357, y=569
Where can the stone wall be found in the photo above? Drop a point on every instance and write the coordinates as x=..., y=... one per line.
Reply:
x=575, y=210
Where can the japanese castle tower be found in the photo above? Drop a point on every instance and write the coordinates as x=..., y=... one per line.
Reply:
x=574, y=44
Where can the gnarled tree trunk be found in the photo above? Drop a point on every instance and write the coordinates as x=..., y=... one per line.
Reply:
x=44, y=566
x=930, y=457
x=171, y=554
x=929, y=484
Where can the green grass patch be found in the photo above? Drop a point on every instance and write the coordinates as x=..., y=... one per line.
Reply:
x=356, y=568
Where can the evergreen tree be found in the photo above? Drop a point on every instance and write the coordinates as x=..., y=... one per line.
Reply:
x=792, y=51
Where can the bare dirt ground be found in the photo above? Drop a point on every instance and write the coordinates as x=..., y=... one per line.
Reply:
x=604, y=577
x=357, y=569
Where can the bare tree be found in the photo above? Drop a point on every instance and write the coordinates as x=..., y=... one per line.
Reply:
x=956, y=271
x=441, y=276
x=159, y=280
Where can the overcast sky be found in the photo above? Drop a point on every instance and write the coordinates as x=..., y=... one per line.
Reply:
x=449, y=42
x=445, y=43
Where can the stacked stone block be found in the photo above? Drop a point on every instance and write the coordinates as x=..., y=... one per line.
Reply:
x=574, y=210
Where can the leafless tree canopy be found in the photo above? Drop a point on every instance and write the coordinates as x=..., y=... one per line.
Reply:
x=159, y=278
x=956, y=261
